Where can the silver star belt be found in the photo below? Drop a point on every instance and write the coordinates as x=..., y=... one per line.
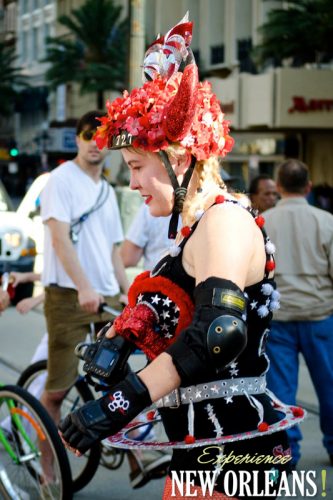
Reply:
x=212, y=390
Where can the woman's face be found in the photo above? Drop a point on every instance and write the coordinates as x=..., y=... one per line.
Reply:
x=150, y=178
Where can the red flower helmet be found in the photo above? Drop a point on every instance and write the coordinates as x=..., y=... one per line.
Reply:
x=174, y=107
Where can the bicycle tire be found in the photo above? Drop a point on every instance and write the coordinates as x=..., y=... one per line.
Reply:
x=82, y=472
x=25, y=424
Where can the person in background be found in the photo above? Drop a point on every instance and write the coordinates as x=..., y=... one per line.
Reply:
x=203, y=313
x=82, y=266
x=146, y=237
x=303, y=236
x=263, y=193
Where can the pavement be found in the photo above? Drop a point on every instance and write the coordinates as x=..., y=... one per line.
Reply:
x=21, y=334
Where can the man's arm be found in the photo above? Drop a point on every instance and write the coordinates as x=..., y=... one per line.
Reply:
x=130, y=253
x=88, y=298
x=16, y=278
x=119, y=269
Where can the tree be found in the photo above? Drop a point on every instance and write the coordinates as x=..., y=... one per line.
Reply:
x=11, y=79
x=93, y=53
x=302, y=32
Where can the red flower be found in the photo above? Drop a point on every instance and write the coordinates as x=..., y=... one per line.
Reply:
x=263, y=427
x=186, y=231
x=260, y=221
x=219, y=199
x=297, y=411
x=189, y=439
x=270, y=265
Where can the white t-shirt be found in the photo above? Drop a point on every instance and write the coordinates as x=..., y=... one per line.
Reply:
x=151, y=234
x=68, y=194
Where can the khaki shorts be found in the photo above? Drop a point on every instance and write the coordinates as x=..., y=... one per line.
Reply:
x=67, y=325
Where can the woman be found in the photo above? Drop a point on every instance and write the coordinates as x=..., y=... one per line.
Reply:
x=202, y=314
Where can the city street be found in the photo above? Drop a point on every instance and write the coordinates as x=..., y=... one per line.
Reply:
x=21, y=334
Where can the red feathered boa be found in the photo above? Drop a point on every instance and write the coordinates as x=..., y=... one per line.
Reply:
x=138, y=322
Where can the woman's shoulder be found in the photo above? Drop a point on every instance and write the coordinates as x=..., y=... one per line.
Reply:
x=229, y=210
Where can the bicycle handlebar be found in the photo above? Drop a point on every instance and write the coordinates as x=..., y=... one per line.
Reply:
x=110, y=310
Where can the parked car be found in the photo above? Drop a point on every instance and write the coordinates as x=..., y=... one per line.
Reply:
x=20, y=231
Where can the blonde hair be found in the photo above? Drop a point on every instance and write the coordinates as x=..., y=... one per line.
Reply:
x=207, y=180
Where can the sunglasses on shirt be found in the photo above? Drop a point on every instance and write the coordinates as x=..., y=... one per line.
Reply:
x=87, y=135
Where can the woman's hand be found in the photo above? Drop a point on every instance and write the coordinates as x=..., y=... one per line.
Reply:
x=108, y=331
x=111, y=332
x=96, y=420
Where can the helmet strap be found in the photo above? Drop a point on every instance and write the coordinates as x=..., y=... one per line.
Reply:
x=180, y=191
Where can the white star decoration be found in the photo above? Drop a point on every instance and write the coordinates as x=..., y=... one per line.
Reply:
x=140, y=297
x=165, y=314
x=228, y=400
x=254, y=304
x=234, y=388
x=155, y=299
x=167, y=301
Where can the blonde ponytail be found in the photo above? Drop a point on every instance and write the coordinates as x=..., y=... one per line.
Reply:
x=207, y=180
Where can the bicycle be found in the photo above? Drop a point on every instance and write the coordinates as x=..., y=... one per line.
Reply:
x=24, y=424
x=83, y=468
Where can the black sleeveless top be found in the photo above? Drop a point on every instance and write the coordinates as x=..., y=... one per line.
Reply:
x=235, y=414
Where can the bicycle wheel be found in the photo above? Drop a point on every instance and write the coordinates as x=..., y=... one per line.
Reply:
x=25, y=429
x=83, y=468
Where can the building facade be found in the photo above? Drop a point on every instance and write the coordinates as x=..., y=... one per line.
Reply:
x=279, y=113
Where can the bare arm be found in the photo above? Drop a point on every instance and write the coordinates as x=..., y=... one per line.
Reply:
x=130, y=253
x=16, y=278
x=119, y=269
x=89, y=299
x=25, y=305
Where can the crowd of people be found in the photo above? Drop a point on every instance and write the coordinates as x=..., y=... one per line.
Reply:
x=202, y=310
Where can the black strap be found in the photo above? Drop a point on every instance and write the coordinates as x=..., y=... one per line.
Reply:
x=180, y=191
x=100, y=200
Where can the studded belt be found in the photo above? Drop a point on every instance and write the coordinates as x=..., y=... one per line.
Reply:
x=213, y=390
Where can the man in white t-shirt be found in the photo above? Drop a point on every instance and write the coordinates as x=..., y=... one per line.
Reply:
x=147, y=237
x=82, y=264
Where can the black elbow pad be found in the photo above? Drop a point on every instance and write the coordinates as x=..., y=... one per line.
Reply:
x=226, y=339
x=217, y=334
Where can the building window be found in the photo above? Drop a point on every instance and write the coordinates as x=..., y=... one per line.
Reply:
x=35, y=4
x=217, y=54
x=47, y=34
x=34, y=44
x=25, y=6
x=244, y=49
x=25, y=46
